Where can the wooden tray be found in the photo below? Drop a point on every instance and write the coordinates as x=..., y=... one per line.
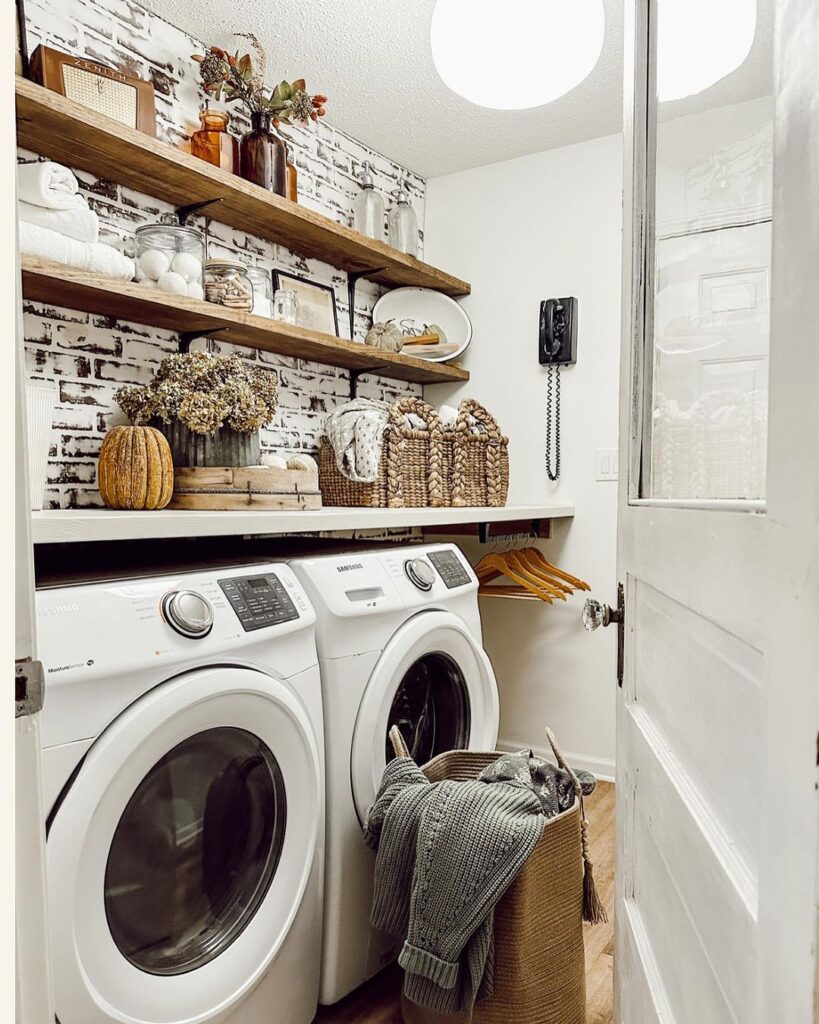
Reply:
x=222, y=488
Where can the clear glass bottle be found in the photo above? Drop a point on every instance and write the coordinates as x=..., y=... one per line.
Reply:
x=369, y=206
x=262, y=291
x=213, y=143
x=286, y=306
x=403, y=224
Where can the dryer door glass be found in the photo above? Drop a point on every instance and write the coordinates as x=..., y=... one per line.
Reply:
x=431, y=708
x=195, y=851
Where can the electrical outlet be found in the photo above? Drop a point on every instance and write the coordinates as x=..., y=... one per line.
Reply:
x=606, y=464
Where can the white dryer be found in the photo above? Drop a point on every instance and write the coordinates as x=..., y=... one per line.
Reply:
x=399, y=641
x=183, y=769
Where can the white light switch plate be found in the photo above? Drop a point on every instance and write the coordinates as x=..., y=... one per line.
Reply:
x=606, y=463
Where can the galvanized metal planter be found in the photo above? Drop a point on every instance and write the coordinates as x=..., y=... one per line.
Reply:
x=227, y=447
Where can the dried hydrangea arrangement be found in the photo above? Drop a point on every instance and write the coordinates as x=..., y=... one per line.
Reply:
x=205, y=393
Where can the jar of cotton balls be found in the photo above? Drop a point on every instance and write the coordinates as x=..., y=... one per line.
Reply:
x=169, y=257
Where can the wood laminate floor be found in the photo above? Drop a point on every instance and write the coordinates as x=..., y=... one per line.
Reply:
x=377, y=1002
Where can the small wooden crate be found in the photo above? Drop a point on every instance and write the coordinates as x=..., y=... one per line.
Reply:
x=227, y=489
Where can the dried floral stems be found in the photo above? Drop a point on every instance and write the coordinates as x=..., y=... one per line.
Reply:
x=205, y=393
x=236, y=78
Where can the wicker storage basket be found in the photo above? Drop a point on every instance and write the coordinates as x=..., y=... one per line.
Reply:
x=539, y=968
x=477, y=465
x=411, y=471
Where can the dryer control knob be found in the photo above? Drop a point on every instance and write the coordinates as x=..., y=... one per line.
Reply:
x=420, y=573
x=188, y=613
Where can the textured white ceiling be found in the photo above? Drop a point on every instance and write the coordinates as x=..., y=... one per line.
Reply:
x=372, y=58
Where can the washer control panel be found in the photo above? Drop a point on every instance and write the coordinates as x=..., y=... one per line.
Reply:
x=259, y=601
x=189, y=613
x=450, y=568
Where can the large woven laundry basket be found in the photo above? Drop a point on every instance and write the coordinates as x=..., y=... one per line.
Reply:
x=477, y=464
x=410, y=472
x=539, y=969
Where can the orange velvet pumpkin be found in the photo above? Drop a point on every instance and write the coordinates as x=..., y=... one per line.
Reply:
x=135, y=469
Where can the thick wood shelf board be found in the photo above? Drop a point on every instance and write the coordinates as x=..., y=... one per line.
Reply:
x=70, y=525
x=58, y=285
x=63, y=130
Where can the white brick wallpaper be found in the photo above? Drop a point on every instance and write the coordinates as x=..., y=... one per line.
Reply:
x=90, y=356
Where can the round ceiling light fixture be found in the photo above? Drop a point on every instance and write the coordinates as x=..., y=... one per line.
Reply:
x=518, y=55
x=699, y=42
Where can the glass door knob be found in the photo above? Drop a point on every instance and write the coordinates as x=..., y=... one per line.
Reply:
x=596, y=614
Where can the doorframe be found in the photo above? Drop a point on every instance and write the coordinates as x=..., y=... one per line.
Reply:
x=788, y=864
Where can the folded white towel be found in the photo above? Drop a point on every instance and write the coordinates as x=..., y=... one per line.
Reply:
x=96, y=257
x=48, y=184
x=79, y=222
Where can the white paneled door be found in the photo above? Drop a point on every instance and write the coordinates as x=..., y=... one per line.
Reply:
x=719, y=519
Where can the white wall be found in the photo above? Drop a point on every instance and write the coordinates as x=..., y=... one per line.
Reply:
x=529, y=229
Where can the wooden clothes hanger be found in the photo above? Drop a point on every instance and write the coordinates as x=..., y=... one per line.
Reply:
x=492, y=566
x=536, y=578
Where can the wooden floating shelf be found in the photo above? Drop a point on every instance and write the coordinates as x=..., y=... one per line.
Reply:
x=59, y=285
x=77, y=525
x=59, y=128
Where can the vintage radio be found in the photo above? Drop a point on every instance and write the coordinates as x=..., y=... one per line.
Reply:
x=121, y=97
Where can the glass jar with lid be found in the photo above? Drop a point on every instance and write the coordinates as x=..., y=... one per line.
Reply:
x=227, y=282
x=169, y=257
x=262, y=291
x=213, y=143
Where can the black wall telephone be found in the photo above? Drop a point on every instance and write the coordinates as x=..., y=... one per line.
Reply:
x=556, y=347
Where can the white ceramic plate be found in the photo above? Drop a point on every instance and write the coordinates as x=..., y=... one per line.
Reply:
x=417, y=307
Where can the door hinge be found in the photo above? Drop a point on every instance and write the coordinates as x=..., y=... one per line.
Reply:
x=29, y=687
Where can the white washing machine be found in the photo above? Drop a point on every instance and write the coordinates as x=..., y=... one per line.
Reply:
x=183, y=769
x=399, y=641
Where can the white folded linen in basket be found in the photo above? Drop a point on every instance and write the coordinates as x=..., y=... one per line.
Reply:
x=96, y=257
x=77, y=222
x=45, y=183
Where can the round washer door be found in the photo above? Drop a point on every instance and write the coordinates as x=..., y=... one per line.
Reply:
x=436, y=683
x=179, y=856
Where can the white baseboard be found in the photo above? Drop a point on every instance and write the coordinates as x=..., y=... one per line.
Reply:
x=602, y=768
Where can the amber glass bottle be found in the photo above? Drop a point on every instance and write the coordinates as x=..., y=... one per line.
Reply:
x=292, y=176
x=262, y=158
x=213, y=143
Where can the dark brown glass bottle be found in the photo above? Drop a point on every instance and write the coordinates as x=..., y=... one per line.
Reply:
x=262, y=157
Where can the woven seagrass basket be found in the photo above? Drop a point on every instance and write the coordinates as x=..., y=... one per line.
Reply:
x=410, y=472
x=477, y=465
x=539, y=970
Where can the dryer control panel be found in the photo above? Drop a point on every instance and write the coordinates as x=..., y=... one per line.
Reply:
x=259, y=601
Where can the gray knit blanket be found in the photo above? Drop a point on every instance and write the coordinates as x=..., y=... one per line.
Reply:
x=446, y=853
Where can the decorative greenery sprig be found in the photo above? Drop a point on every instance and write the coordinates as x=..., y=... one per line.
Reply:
x=205, y=393
x=234, y=77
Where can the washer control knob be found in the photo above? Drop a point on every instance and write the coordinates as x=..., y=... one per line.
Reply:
x=188, y=613
x=420, y=573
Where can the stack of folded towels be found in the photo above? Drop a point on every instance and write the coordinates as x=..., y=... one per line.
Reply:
x=56, y=223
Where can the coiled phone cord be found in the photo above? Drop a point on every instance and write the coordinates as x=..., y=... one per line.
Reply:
x=553, y=414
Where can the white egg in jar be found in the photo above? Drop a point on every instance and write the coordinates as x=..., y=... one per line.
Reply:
x=174, y=284
x=154, y=263
x=188, y=266
x=195, y=290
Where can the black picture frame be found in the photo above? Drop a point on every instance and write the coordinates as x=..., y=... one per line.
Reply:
x=282, y=279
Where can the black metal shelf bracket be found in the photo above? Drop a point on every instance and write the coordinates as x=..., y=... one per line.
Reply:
x=186, y=337
x=355, y=374
x=183, y=212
